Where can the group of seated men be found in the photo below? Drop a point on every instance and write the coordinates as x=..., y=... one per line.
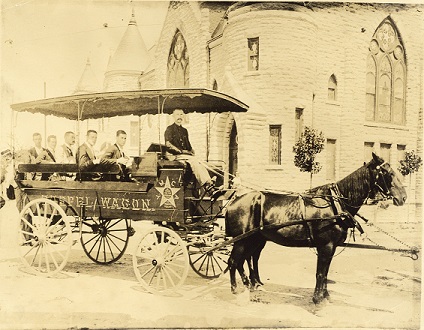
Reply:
x=84, y=156
x=176, y=140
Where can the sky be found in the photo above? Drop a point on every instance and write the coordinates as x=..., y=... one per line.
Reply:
x=47, y=42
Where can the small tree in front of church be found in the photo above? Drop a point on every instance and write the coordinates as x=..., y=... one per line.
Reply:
x=310, y=143
x=409, y=165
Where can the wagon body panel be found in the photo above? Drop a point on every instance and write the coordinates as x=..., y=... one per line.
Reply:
x=161, y=201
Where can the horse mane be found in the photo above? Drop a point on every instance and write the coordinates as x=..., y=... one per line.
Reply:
x=356, y=186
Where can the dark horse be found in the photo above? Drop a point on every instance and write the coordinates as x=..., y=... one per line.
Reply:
x=318, y=218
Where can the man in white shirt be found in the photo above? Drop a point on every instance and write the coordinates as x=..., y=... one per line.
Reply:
x=66, y=154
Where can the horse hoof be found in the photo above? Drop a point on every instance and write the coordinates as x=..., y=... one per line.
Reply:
x=234, y=290
x=317, y=300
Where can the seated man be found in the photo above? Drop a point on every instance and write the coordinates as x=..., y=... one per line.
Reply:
x=116, y=154
x=178, y=144
x=87, y=159
x=66, y=152
x=40, y=155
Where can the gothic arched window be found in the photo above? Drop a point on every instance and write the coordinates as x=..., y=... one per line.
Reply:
x=386, y=76
x=178, y=63
x=332, y=88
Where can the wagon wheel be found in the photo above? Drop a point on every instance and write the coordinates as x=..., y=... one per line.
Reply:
x=208, y=264
x=44, y=236
x=105, y=240
x=161, y=260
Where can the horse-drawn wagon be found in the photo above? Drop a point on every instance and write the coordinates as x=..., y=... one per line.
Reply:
x=164, y=194
x=182, y=216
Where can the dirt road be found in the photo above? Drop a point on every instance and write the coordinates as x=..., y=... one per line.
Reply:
x=369, y=289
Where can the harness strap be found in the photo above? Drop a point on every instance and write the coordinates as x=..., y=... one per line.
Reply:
x=302, y=208
x=344, y=219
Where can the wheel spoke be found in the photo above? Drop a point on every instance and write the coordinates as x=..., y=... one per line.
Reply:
x=201, y=256
x=53, y=258
x=46, y=257
x=27, y=222
x=174, y=272
x=28, y=233
x=32, y=248
x=147, y=271
x=115, y=245
x=110, y=249
x=95, y=236
x=117, y=237
x=38, y=209
x=216, y=261
x=154, y=273
x=144, y=264
x=165, y=269
x=104, y=249
x=95, y=243
x=116, y=222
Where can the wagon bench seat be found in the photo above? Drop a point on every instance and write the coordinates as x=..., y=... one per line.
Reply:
x=87, y=185
x=66, y=168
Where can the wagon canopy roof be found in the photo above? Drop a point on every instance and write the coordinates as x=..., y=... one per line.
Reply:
x=140, y=102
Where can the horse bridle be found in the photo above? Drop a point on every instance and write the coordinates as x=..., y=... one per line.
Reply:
x=383, y=189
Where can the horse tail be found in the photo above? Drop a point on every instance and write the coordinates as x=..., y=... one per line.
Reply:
x=257, y=210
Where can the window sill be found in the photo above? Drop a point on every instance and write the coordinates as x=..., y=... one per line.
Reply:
x=337, y=103
x=386, y=125
x=252, y=73
x=274, y=167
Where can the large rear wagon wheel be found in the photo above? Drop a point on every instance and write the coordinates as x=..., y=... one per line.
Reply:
x=44, y=236
x=160, y=261
x=105, y=240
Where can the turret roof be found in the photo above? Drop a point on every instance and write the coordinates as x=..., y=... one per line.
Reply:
x=88, y=82
x=131, y=54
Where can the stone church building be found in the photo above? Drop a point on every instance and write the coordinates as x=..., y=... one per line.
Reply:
x=353, y=71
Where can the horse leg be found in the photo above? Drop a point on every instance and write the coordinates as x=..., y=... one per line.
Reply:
x=325, y=255
x=235, y=262
x=255, y=260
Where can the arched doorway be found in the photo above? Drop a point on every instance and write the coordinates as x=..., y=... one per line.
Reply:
x=233, y=151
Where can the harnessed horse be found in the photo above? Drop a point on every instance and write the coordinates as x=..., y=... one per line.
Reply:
x=318, y=218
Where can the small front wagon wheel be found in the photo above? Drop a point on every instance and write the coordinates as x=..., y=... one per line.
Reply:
x=161, y=260
x=208, y=264
x=44, y=236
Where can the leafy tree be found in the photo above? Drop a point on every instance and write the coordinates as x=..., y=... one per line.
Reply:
x=410, y=164
x=310, y=143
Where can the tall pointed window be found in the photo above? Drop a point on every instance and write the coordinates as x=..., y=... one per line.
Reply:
x=275, y=144
x=178, y=63
x=332, y=88
x=386, y=76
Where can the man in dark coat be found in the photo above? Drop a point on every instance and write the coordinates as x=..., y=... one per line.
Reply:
x=179, y=146
x=115, y=153
x=39, y=155
x=87, y=159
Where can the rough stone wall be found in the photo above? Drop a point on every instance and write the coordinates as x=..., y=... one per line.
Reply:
x=121, y=81
x=299, y=50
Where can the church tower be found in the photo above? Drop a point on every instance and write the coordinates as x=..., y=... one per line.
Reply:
x=130, y=60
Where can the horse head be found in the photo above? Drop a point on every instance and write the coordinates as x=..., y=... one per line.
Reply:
x=386, y=181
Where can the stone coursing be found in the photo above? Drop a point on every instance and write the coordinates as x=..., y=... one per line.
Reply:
x=300, y=48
